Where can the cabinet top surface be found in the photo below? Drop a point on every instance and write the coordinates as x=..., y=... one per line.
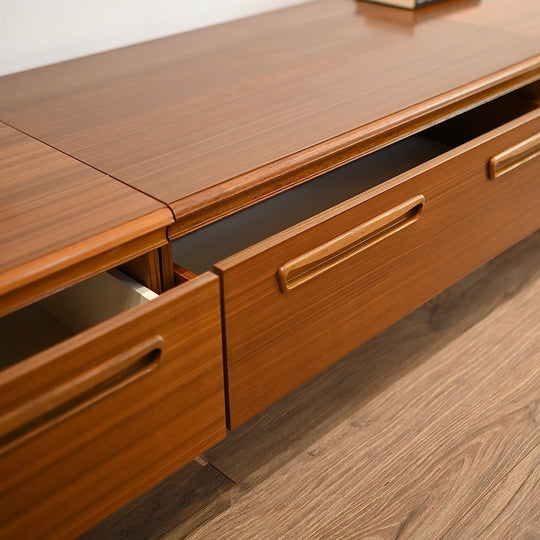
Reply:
x=206, y=116
x=51, y=205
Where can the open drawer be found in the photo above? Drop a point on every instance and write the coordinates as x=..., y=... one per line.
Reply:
x=91, y=422
x=307, y=295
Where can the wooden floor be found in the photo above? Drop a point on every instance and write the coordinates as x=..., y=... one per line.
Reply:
x=430, y=430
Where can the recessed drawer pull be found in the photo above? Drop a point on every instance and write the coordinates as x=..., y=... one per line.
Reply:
x=73, y=394
x=514, y=157
x=339, y=249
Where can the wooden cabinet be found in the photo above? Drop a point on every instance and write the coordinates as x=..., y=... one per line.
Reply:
x=309, y=176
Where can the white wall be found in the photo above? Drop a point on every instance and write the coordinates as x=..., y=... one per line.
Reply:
x=39, y=32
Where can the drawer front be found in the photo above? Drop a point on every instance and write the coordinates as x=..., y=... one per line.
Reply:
x=91, y=423
x=295, y=303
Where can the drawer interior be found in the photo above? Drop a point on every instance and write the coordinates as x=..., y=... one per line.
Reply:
x=198, y=251
x=66, y=313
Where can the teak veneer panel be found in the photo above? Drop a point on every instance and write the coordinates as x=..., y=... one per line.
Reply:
x=57, y=213
x=275, y=341
x=63, y=469
x=212, y=120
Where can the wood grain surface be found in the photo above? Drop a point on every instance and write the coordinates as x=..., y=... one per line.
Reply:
x=495, y=14
x=146, y=269
x=276, y=341
x=57, y=212
x=262, y=447
x=511, y=509
x=209, y=121
x=68, y=459
x=423, y=451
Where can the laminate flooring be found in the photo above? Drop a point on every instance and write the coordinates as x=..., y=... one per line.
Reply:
x=429, y=430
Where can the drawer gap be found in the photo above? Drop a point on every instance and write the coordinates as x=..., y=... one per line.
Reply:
x=66, y=313
x=480, y=120
x=199, y=250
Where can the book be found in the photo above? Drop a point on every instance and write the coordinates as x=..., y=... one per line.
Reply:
x=376, y=14
x=407, y=4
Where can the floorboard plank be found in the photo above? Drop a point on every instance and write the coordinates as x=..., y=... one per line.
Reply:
x=511, y=510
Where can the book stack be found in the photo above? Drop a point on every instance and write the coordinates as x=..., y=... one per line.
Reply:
x=407, y=4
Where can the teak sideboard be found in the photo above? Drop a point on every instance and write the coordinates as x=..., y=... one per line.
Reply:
x=194, y=226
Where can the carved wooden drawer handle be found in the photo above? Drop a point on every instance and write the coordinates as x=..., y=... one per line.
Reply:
x=80, y=391
x=514, y=157
x=339, y=249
